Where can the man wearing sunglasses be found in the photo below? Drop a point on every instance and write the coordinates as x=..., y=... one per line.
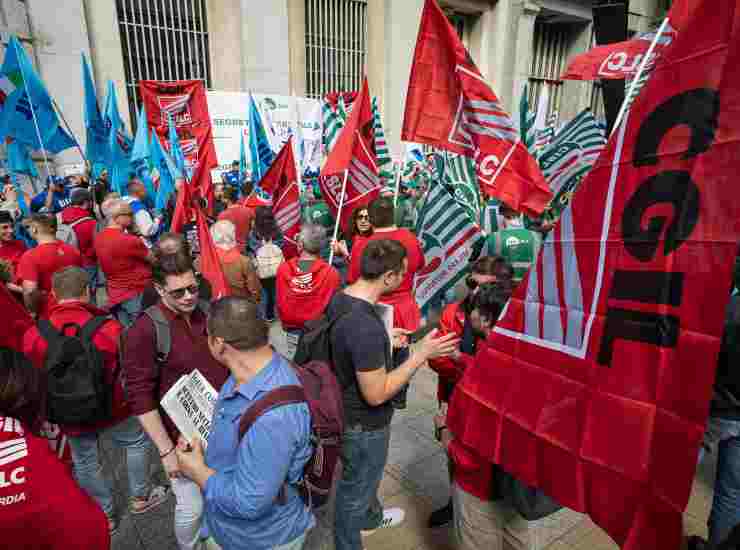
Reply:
x=150, y=374
x=456, y=319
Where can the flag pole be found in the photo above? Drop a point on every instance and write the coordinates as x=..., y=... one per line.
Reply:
x=339, y=215
x=640, y=70
x=398, y=184
x=35, y=122
x=71, y=133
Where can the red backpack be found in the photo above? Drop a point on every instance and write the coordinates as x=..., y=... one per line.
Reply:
x=320, y=390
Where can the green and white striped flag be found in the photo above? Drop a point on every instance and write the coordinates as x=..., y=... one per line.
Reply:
x=462, y=182
x=382, y=152
x=566, y=160
x=334, y=120
x=448, y=238
x=526, y=121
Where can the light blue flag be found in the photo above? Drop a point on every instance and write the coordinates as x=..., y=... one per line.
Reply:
x=96, y=146
x=23, y=95
x=163, y=172
x=175, y=150
x=140, y=155
x=119, y=142
x=260, y=151
x=19, y=159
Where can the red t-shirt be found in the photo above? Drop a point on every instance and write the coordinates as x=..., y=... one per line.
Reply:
x=105, y=340
x=241, y=217
x=122, y=258
x=12, y=251
x=406, y=312
x=303, y=295
x=85, y=231
x=40, y=263
x=42, y=506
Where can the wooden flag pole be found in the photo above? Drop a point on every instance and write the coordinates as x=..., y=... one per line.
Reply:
x=339, y=216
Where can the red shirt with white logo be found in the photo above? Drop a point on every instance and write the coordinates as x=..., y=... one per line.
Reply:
x=41, y=505
x=303, y=295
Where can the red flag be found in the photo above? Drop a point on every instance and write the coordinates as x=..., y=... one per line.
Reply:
x=354, y=153
x=595, y=383
x=183, y=213
x=16, y=321
x=281, y=181
x=210, y=265
x=622, y=59
x=449, y=105
x=185, y=101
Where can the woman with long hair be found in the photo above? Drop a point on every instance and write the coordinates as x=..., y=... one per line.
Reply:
x=43, y=507
x=264, y=242
x=359, y=227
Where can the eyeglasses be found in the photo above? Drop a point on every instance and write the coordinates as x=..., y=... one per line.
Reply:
x=179, y=293
x=363, y=217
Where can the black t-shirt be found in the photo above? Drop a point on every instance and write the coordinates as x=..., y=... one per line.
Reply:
x=359, y=342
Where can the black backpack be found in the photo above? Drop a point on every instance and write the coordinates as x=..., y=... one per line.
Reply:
x=76, y=375
x=315, y=341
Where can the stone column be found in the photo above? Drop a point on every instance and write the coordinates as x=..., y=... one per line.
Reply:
x=225, y=44
x=523, y=52
x=265, y=46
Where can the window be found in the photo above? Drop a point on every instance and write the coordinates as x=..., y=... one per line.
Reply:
x=336, y=45
x=549, y=53
x=163, y=40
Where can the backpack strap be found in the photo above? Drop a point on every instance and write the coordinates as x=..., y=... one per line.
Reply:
x=89, y=329
x=162, y=336
x=47, y=330
x=279, y=397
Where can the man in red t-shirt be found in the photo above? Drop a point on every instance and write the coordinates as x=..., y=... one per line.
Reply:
x=11, y=249
x=72, y=296
x=241, y=216
x=37, y=266
x=304, y=285
x=125, y=261
x=78, y=215
x=406, y=312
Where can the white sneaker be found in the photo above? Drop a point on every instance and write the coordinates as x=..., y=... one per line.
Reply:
x=392, y=517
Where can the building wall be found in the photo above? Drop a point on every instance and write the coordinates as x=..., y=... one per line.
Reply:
x=265, y=46
x=225, y=40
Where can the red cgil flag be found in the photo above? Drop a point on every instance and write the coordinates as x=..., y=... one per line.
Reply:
x=595, y=383
x=450, y=106
x=210, y=265
x=281, y=181
x=354, y=153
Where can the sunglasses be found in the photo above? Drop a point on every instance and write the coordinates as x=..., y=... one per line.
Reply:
x=363, y=217
x=179, y=293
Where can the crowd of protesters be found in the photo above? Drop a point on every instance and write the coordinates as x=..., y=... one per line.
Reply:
x=101, y=268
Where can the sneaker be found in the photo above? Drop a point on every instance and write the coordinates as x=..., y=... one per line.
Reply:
x=441, y=517
x=112, y=525
x=392, y=517
x=157, y=496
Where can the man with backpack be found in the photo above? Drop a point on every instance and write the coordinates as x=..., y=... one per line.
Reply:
x=38, y=264
x=167, y=341
x=361, y=354
x=76, y=226
x=77, y=347
x=250, y=476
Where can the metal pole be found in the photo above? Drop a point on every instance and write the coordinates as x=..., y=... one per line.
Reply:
x=66, y=125
x=35, y=122
x=398, y=182
x=339, y=216
x=640, y=70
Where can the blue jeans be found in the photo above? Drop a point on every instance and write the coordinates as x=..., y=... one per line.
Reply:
x=364, y=454
x=725, y=512
x=127, y=435
x=128, y=311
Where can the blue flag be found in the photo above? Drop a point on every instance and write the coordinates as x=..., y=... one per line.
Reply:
x=163, y=172
x=140, y=155
x=96, y=146
x=23, y=95
x=119, y=142
x=175, y=150
x=260, y=152
x=19, y=159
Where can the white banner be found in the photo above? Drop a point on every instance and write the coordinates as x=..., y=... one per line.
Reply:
x=229, y=113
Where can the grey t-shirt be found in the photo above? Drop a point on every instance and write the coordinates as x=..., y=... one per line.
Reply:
x=359, y=342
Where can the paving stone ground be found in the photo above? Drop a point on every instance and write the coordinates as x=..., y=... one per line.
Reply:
x=415, y=479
